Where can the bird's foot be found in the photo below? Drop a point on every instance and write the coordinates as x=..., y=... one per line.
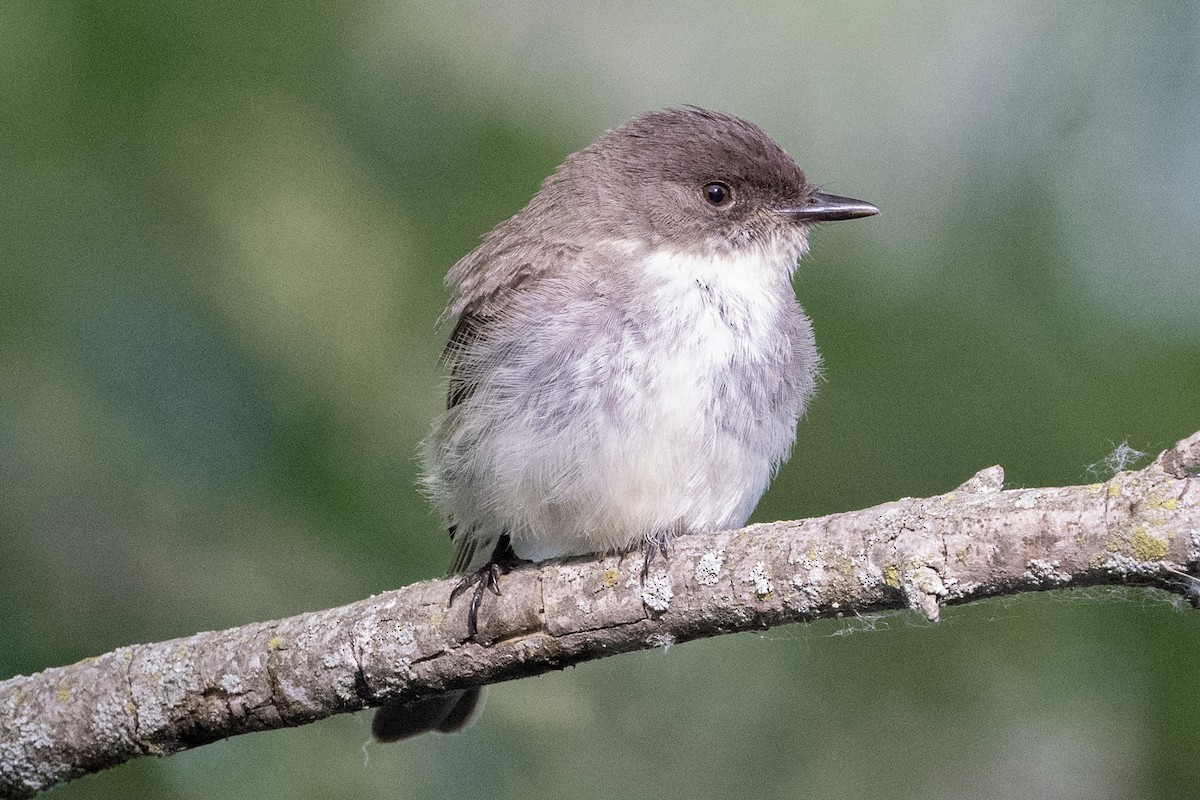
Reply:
x=485, y=579
x=655, y=543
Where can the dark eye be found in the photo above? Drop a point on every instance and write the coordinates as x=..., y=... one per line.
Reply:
x=717, y=194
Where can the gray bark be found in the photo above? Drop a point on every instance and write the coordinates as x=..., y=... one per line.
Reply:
x=1139, y=527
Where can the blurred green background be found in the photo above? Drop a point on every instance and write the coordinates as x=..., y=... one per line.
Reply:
x=223, y=230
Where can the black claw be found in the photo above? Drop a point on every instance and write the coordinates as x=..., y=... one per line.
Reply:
x=473, y=611
x=658, y=543
x=495, y=570
x=462, y=586
x=484, y=579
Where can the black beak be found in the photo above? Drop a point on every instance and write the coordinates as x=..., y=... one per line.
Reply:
x=829, y=208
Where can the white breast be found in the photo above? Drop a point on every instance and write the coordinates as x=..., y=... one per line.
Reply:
x=667, y=461
x=679, y=399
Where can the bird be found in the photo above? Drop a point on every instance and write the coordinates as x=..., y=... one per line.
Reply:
x=628, y=360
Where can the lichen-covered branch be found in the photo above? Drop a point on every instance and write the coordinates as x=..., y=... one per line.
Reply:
x=154, y=699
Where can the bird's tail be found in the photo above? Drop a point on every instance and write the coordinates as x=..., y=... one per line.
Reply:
x=446, y=712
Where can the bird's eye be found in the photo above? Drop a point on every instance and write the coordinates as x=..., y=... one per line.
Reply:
x=717, y=193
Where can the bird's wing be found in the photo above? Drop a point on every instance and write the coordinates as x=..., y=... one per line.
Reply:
x=466, y=330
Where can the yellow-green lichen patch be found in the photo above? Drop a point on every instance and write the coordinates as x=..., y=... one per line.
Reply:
x=1145, y=547
x=841, y=562
x=274, y=643
x=62, y=693
x=891, y=576
x=609, y=577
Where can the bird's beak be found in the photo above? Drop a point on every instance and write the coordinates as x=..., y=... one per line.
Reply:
x=828, y=208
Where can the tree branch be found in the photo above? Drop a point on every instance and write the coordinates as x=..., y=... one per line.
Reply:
x=155, y=699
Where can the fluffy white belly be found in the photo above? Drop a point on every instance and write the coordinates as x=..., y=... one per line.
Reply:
x=680, y=442
x=614, y=418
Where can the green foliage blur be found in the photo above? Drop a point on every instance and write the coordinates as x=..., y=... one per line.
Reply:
x=223, y=230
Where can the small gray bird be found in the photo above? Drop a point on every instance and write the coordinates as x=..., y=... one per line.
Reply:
x=629, y=359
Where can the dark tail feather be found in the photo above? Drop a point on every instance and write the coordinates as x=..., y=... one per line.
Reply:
x=445, y=712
